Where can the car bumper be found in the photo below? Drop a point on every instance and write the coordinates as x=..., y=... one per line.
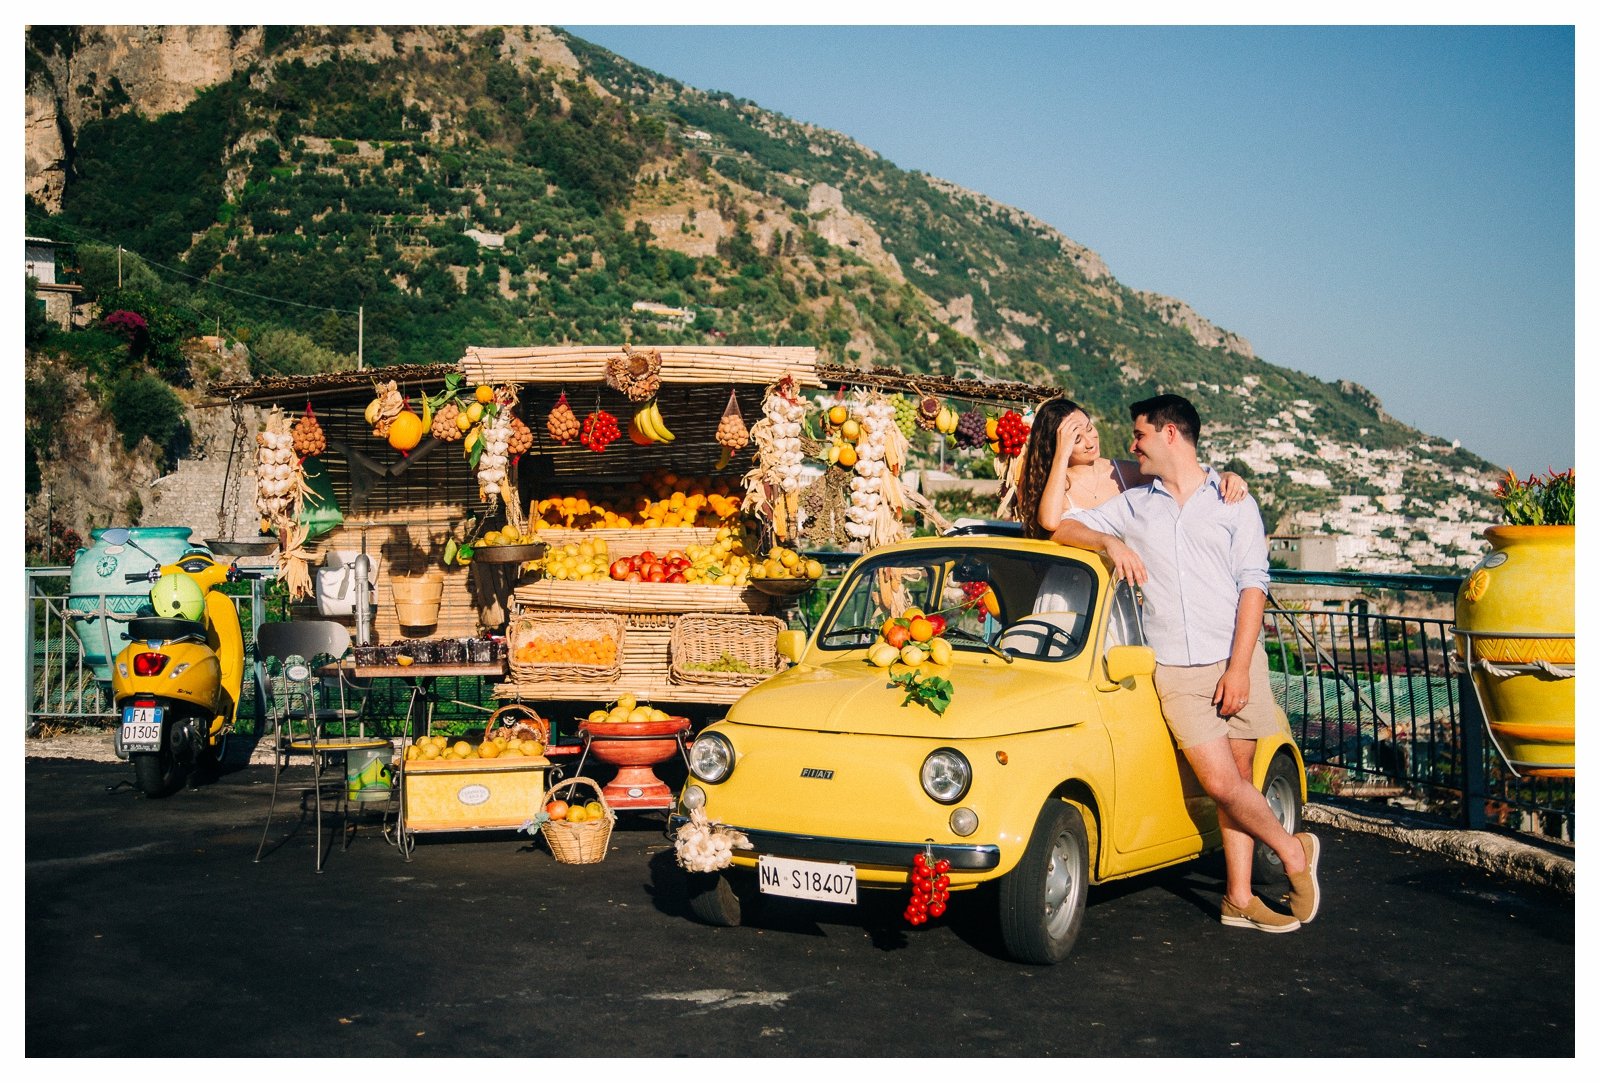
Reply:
x=963, y=857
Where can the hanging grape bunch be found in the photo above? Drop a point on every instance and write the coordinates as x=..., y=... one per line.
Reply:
x=905, y=416
x=969, y=429
x=309, y=439
x=599, y=429
x=562, y=424
x=1012, y=433
x=521, y=437
x=928, y=413
x=446, y=424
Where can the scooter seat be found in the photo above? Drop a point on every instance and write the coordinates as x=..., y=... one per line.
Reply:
x=165, y=628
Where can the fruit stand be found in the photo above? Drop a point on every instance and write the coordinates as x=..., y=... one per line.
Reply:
x=627, y=518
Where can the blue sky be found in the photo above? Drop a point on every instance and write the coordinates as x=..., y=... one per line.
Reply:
x=1390, y=205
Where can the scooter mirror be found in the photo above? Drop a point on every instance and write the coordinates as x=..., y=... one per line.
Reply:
x=116, y=535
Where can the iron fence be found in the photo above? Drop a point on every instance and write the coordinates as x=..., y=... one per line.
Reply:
x=1377, y=701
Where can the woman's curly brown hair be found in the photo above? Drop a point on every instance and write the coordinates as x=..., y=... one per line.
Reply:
x=1037, y=456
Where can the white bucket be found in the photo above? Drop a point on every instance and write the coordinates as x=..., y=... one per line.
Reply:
x=336, y=582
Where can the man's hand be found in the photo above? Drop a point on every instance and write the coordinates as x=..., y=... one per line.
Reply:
x=1125, y=563
x=1233, y=691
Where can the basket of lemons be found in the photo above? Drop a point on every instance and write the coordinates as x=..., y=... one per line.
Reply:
x=577, y=830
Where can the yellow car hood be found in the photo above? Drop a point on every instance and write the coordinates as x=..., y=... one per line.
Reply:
x=990, y=699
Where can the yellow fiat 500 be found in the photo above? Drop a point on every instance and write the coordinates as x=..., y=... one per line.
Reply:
x=1043, y=764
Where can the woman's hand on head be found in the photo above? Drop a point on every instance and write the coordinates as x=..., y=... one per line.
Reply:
x=1234, y=488
x=1073, y=426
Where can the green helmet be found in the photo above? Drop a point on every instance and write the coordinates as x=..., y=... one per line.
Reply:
x=177, y=595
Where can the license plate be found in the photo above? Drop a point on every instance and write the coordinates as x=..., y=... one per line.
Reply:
x=141, y=729
x=820, y=881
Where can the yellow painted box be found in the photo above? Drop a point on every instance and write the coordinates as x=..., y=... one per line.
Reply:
x=472, y=795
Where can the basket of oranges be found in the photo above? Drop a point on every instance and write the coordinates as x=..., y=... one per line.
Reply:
x=565, y=646
x=577, y=832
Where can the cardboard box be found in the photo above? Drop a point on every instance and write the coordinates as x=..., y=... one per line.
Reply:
x=472, y=795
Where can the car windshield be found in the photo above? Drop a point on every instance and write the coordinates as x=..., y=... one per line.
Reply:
x=1030, y=605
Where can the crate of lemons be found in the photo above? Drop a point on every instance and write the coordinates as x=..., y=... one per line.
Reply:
x=439, y=747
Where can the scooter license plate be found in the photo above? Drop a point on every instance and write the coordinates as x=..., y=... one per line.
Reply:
x=141, y=729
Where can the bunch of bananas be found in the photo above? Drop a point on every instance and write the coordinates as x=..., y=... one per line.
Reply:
x=647, y=427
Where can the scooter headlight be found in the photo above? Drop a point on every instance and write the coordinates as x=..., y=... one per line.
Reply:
x=711, y=757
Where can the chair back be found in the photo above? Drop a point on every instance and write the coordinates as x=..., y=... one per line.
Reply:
x=306, y=639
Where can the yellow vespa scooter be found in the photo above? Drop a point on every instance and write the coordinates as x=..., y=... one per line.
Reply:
x=177, y=683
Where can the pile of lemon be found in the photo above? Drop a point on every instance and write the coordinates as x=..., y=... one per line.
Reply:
x=628, y=709
x=585, y=561
x=506, y=535
x=436, y=747
x=783, y=563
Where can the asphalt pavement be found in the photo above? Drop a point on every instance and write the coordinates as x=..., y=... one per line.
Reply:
x=150, y=931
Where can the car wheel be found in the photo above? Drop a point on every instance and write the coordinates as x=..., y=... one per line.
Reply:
x=1042, y=900
x=1281, y=788
x=714, y=899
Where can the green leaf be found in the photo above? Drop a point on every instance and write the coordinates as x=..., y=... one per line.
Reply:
x=933, y=693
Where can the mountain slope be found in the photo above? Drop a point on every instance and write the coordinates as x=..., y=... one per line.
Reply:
x=502, y=185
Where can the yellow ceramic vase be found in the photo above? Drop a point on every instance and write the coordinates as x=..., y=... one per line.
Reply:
x=1515, y=628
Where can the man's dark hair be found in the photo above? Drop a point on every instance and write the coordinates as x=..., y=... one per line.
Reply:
x=1164, y=410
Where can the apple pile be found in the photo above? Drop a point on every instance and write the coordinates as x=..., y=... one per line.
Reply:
x=647, y=567
x=912, y=638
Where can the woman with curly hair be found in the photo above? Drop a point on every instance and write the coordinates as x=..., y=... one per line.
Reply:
x=1062, y=469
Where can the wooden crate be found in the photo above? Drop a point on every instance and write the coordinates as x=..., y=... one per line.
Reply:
x=630, y=543
x=472, y=795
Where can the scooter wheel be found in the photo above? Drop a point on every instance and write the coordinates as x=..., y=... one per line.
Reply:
x=157, y=774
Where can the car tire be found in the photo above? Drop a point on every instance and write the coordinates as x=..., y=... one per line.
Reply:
x=1281, y=788
x=714, y=900
x=1042, y=900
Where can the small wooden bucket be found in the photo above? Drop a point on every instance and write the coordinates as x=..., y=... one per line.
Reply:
x=416, y=599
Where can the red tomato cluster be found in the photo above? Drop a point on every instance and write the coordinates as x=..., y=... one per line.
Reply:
x=1012, y=432
x=649, y=568
x=599, y=429
x=930, y=889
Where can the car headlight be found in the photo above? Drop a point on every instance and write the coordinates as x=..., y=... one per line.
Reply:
x=711, y=757
x=946, y=774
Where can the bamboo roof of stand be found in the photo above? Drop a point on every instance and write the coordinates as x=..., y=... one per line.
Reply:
x=679, y=364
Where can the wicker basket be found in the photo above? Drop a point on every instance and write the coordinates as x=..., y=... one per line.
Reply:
x=580, y=843
x=699, y=640
x=517, y=714
x=613, y=596
x=561, y=625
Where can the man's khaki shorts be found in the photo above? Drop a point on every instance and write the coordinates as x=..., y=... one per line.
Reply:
x=1186, y=692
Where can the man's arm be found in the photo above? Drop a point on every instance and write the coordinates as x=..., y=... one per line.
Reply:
x=1233, y=690
x=1125, y=563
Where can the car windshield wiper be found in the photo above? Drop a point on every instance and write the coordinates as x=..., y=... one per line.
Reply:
x=962, y=633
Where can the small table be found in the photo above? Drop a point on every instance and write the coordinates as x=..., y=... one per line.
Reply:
x=421, y=678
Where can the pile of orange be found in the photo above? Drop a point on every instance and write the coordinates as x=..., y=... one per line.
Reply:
x=578, y=652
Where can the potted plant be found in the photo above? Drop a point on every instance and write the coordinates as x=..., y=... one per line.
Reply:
x=1515, y=626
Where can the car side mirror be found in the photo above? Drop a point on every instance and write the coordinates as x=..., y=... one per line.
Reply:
x=791, y=644
x=1126, y=662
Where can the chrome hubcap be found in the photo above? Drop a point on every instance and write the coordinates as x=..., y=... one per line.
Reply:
x=1059, y=882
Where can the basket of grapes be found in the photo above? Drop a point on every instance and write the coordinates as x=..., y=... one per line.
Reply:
x=723, y=649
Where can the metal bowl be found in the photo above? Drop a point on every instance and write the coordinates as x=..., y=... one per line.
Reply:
x=509, y=554
x=237, y=548
x=783, y=588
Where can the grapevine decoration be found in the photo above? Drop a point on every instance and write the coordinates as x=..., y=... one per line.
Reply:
x=970, y=429
x=905, y=415
x=930, y=888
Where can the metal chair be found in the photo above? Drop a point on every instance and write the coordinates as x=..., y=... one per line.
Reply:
x=304, y=708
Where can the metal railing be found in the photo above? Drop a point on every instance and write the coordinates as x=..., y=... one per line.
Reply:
x=1382, y=708
x=61, y=689
x=1377, y=701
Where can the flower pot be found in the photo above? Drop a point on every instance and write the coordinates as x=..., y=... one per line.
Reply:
x=99, y=587
x=1515, y=629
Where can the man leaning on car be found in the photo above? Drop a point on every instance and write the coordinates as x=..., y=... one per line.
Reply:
x=1202, y=564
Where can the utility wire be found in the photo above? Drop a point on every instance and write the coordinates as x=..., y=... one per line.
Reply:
x=83, y=237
